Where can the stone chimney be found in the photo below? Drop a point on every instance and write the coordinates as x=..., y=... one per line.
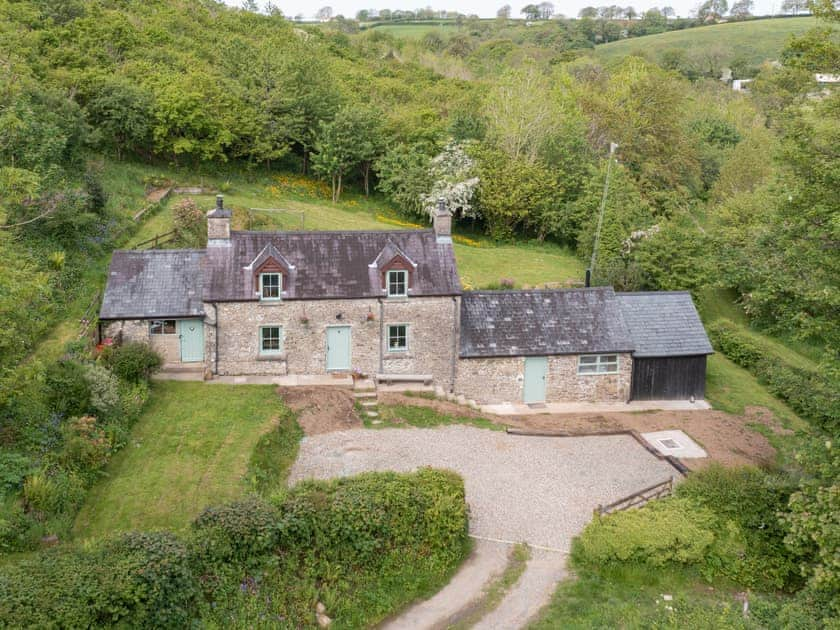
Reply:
x=443, y=222
x=218, y=224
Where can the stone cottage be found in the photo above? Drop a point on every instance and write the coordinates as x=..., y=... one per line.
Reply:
x=387, y=304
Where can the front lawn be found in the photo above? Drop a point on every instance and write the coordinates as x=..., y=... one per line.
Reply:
x=191, y=448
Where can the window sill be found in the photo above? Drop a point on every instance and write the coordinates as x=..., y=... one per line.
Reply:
x=402, y=354
x=272, y=357
x=396, y=298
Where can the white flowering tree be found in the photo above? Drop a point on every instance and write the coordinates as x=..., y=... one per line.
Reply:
x=453, y=173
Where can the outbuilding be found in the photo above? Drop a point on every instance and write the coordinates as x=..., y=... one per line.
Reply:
x=670, y=345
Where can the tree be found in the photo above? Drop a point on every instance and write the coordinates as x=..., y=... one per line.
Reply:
x=630, y=13
x=404, y=177
x=546, y=10
x=668, y=12
x=122, y=112
x=504, y=12
x=712, y=9
x=588, y=12
x=250, y=5
x=531, y=12
x=453, y=176
x=741, y=8
x=794, y=6
x=324, y=14
x=363, y=15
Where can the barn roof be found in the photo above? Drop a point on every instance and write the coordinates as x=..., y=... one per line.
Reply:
x=535, y=323
x=664, y=324
x=153, y=284
x=330, y=264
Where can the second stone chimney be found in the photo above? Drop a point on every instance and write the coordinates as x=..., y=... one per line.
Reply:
x=442, y=222
x=218, y=224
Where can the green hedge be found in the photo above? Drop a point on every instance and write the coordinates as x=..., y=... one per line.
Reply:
x=811, y=394
x=364, y=546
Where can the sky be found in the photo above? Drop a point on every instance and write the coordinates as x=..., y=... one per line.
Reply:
x=488, y=8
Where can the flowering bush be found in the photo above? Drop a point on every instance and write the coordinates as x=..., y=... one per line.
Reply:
x=455, y=181
x=104, y=389
x=87, y=448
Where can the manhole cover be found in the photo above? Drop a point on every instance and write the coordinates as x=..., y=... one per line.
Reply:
x=670, y=444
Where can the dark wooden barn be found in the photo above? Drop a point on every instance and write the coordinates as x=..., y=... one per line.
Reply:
x=669, y=362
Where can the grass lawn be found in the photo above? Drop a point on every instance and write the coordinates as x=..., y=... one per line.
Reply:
x=754, y=40
x=631, y=596
x=191, y=448
x=422, y=416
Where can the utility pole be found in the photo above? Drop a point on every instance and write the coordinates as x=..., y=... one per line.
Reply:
x=591, y=271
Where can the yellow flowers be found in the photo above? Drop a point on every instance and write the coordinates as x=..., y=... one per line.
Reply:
x=300, y=186
x=383, y=219
x=463, y=240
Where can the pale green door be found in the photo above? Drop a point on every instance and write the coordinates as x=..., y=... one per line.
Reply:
x=535, y=372
x=191, y=332
x=338, y=348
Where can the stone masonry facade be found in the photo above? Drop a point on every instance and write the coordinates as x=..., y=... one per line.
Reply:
x=167, y=346
x=431, y=323
x=497, y=380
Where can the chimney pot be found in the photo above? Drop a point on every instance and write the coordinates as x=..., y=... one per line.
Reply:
x=220, y=201
x=442, y=222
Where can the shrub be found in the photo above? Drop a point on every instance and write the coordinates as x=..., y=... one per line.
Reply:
x=753, y=499
x=235, y=533
x=669, y=531
x=813, y=395
x=15, y=527
x=190, y=222
x=50, y=493
x=13, y=468
x=68, y=391
x=133, y=361
x=104, y=390
x=86, y=446
x=139, y=580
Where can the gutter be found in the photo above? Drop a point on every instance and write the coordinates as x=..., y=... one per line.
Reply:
x=215, y=338
x=456, y=327
x=381, y=335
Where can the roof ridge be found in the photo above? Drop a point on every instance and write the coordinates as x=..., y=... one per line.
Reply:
x=330, y=232
x=520, y=291
x=185, y=250
x=674, y=292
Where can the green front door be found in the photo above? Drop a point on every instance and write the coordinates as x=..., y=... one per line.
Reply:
x=191, y=332
x=338, y=347
x=535, y=372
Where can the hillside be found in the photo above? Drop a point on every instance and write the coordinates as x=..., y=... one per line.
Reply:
x=754, y=41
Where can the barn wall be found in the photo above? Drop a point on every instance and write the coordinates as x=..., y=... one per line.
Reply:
x=669, y=378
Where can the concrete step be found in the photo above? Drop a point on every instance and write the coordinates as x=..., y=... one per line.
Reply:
x=369, y=403
x=370, y=394
x=372, y=414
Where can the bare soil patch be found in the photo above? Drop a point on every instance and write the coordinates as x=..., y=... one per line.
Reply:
x=728, y=439
x=321, y=409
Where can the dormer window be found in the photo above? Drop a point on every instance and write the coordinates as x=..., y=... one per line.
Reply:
x=397, y=283
x=271, y=285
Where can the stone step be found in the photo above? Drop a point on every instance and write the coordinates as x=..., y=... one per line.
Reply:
x=371, y=414
x=369, y=403
x=376, y=421
x=371, y=394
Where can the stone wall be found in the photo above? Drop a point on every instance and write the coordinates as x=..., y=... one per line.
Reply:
x=500, y=380
x=430, y=321
x=167, y=346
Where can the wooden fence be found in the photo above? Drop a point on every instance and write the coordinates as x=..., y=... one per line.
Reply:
x=637, y=499
x=157, y=240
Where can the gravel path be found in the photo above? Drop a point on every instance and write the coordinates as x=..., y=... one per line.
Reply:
x=520, y=489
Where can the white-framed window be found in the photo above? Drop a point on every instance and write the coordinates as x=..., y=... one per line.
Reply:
x=598, y=364
x=271, y=284
x=397, y=283
x=271, y=340
x=162, y=327
x=398, y=338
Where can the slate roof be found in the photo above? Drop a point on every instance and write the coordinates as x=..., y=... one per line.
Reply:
x=664, y=324
x=153, y=284
x=538, y=323
x=330, y=264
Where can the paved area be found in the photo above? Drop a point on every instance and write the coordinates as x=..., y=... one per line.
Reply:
x=520, y=489
x=521, y=409
x=676, y=443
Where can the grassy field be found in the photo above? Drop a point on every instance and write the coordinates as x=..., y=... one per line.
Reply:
x=190, y=449
x=416, y=31
x=755, y=40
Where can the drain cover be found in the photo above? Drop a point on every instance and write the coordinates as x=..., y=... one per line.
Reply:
x=669, y=444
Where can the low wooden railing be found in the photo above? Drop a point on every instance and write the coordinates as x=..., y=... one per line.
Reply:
x=157, y=240
x=656, y=491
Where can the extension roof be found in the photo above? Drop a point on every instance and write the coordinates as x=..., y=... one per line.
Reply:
x=664, y=324
x=154, y=284
x=330, y=264
x=538, y=323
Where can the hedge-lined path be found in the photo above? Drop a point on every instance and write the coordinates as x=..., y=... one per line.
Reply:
x=536, y=490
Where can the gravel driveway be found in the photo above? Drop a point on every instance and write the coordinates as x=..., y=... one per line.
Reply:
x=536, y=490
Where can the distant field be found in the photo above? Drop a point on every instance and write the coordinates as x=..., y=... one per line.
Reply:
x=756, y=40
x=416, y=31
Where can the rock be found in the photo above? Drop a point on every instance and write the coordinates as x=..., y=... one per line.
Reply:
x=320, y=608
x=49, y=541
x=668, y=598
x=323, y=620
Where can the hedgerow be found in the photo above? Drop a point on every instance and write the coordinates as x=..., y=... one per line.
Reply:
x=813, y=395
x=360, y=545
